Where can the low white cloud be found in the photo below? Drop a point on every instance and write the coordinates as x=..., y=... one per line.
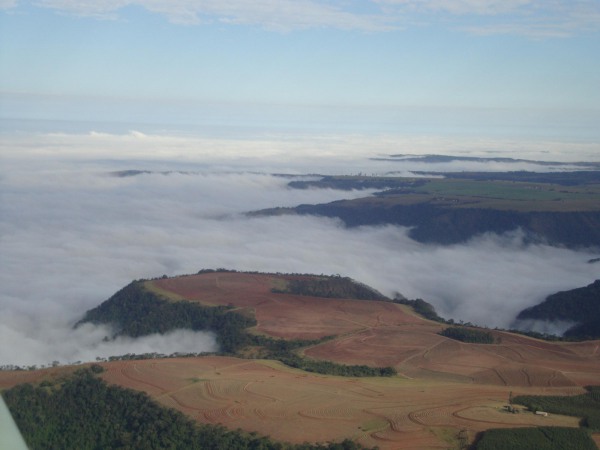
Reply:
x=8, y=4
x=278, y=15
x=294, y=154
x=557, y=327
x=45, y=345
x=484, y=7
x=71, y=235
x=534, y=18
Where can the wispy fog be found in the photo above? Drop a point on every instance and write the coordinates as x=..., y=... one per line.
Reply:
x=71, y=234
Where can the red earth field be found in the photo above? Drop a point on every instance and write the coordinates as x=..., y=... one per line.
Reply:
x=445, y=392
x=387, y=334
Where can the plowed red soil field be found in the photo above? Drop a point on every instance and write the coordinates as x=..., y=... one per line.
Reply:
x=445, y=389
x=291, y=405
x=386, y=334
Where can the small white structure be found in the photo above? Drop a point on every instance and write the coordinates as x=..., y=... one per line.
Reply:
x=542, y=413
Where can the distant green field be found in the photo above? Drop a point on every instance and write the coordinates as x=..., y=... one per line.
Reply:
x=510, y=190
x=513, y=195
x=558, y=208
x=460, y=193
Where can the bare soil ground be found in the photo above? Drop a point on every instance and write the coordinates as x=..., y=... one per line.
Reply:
x=445, y=389
x=444, y=386
x=385, y=334
x=294, y=406
x=285, y=315
x=291, y=405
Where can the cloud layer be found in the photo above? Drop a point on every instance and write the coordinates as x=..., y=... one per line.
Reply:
x=537, y=18
x=71, y=235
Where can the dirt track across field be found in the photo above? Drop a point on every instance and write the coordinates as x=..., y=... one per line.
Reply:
x=446, y=391
x=444, y=387
x=383, y=334
x=291, y=405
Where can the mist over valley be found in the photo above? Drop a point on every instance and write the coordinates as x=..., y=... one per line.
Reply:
x=73, y=233
x=300, y=224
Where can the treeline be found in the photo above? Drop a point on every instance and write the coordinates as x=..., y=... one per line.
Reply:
x=135, y=312
x=585, y=405
x=421, y=307
x=470, y=335
x=447, y=225
x=538, y=335
x=330, y=287
x=330, y=368
x=541, y=438
x=285, y=351
x=580, y=305
x=83, y=412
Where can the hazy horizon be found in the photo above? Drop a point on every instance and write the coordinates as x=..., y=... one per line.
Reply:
x=234, y=91
x=72, y=233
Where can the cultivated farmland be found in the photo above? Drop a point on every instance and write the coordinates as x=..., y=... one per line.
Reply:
x=445, y=391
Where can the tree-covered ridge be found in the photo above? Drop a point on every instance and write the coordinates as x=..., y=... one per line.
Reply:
x=580, y=305
x=446, y=222
x=560, y=209
x=135, y=312
x=421, y=307
x=471, y=335
x=329, y=287
x=83, y=412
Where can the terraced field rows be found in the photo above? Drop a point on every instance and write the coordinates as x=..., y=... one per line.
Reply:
x=272, y=399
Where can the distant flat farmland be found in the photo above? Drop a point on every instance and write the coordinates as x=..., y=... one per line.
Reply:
x=511, y=195
x=563, y=211
x=522, y=191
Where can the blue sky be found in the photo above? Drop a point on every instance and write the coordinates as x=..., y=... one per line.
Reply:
x=120, y=59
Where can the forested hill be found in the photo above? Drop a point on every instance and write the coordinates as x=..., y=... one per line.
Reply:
x=135, y=311
x=433, y=222
x=562, y=210
x=329, y=287
x=581, y=305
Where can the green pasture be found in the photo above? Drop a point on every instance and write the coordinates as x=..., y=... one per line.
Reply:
x=514, y=195
x=510, y=190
